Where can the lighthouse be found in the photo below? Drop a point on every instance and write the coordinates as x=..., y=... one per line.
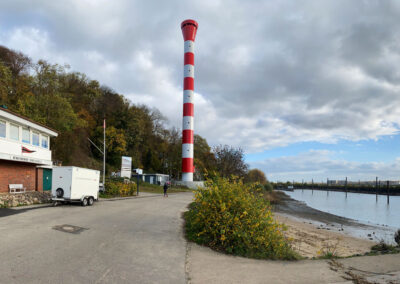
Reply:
x=189, y=29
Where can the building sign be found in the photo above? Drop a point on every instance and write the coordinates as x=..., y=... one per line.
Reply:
x=126, y=167
x=26, y=150
x=18, y=158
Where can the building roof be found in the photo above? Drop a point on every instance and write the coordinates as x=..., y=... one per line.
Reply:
x=50, y=131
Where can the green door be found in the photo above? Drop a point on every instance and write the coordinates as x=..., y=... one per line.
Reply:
x=47, y=179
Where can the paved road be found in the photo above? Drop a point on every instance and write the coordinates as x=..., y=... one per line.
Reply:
x=207, y=266
x=140, y=240
x=125, y=241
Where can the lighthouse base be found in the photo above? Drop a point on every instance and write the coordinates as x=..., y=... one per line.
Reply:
x=187, y=176
x=190, y=184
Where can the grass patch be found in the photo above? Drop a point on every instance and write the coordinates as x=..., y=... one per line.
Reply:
x=235, y=218
x=384, y=248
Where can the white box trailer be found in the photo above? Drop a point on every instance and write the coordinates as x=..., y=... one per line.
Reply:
x=73, y=184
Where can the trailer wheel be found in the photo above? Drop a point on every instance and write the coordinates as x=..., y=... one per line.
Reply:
x=90, y=201
x=59, y=192
x=85, y=202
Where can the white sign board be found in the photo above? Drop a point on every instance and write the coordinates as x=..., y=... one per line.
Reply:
x=126, y=167
x=139, y=171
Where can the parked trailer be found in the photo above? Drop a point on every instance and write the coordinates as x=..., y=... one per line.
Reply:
x=73, y=184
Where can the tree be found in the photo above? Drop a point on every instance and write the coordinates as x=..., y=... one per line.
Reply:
x=16, y=61
x=75, y=107
x=204, y=159
x=255, y=175
x=230, y=161
x=5, y=83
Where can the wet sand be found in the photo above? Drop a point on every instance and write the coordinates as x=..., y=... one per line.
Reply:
x=315, y=233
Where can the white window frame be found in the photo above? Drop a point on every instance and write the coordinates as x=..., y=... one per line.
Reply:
x=41, y=140
x=5, y=129
x=38, y=134
x=19, y=135
x=29, y=135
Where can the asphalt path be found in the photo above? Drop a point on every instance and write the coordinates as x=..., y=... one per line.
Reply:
x=140, y=240
x=136, y=240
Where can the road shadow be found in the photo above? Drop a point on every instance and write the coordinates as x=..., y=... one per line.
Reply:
x=4, y=212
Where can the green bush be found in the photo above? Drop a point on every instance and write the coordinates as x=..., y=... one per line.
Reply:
x=229, y=216
x=268, y=187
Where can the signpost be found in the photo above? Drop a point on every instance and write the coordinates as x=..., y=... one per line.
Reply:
x=126, y=167
x=138, y=172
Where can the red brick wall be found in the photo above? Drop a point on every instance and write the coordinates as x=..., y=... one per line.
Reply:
x=17, y=173
x=39, y=179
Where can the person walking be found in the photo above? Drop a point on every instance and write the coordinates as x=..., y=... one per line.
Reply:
x=165, y=189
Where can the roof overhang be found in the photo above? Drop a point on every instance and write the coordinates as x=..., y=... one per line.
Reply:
x=26, y=122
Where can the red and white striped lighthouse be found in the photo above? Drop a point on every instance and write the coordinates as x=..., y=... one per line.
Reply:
x=189, y=29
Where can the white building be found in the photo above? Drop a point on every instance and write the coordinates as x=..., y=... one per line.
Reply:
x=24, y=152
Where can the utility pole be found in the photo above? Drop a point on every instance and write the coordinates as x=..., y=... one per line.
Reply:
x=102, y=152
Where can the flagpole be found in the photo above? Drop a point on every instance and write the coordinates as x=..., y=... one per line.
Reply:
x=104, y=155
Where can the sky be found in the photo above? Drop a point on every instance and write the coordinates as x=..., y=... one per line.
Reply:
x=308, y=89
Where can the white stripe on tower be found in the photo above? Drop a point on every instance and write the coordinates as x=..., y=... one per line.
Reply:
x=189, y=29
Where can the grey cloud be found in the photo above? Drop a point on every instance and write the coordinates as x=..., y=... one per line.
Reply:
x=320, y=165
x=268, y=73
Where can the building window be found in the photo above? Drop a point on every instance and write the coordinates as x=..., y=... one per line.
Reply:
x=14, y=132
x=26, y=135
x=45, y=141
x=35, y=139
x=3, y=129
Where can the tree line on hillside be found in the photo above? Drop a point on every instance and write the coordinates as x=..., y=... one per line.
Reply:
x=75, y=106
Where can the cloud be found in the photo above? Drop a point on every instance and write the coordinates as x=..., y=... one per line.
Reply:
x=321, y=164
x=268, y=73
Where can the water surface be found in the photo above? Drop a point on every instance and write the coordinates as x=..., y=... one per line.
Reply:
x=358, y=206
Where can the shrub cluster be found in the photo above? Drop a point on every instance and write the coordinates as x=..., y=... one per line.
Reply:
x=233, y=217
x=118, y=188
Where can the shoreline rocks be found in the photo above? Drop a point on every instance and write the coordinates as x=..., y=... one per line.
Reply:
x=27, y=198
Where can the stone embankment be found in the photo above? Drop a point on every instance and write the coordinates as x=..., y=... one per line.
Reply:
x=27, y=198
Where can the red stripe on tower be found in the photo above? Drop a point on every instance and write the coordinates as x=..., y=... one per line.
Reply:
x=187, y=165
x=189, y=58
x=189, y=29
x=188, y=109
x=187, y=136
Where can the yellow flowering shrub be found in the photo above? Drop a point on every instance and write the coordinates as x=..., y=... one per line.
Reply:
x=117, y=188
x=233, y=217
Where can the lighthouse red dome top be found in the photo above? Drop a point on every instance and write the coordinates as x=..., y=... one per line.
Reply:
x=189, y=29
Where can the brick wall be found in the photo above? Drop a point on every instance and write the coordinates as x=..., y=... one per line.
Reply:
x=39, y=179
x=17, y=173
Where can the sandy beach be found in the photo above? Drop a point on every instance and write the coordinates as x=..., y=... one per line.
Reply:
x=315, y=233
x=310, y=240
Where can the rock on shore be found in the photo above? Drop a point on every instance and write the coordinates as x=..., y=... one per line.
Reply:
x=27, y=198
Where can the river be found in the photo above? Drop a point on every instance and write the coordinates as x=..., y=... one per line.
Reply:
x=364, y=208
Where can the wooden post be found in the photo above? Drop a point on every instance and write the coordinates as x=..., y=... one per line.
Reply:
x=376, y=188
x=387, y=191
x=312, y=185
x=345, y=186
